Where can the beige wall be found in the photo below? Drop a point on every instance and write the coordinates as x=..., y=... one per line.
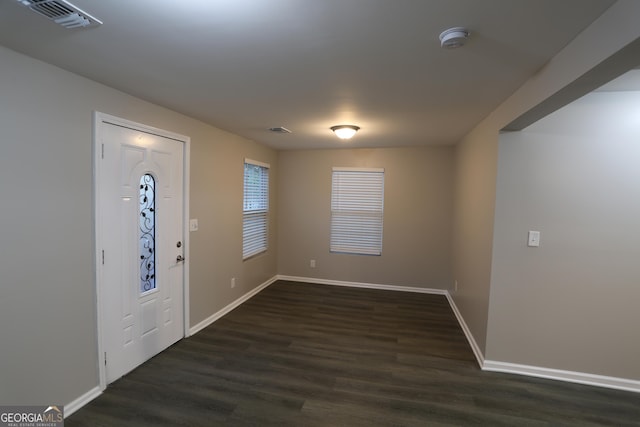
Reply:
x=474, y=199
x=217, y=182
x=47, y=293
x=571, y=303
x=417, y=216
x=477, y=155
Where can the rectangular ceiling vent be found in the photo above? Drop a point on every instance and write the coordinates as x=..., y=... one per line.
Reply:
x=62, y=13
x=280, y=129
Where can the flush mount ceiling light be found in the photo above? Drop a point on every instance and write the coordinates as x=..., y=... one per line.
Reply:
x=345, y=131
x=453, y=37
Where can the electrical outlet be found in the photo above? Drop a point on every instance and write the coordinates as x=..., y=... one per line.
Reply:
x=312, y=263
x=193, y=224
x=233, y=282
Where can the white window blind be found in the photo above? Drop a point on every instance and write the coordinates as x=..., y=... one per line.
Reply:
x=255, y=209
x=357, y=200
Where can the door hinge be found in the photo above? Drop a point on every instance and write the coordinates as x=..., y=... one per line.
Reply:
x=102, y=151
x=105, y=358
x=103, y=257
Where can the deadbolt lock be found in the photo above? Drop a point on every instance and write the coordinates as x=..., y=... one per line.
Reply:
x=179, y=244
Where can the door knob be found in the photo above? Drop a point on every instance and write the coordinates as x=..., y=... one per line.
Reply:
x=179, y=258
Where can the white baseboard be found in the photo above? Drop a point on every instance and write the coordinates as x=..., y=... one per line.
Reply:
x=78, y=403
x=467, y=332
x=217, y=315
x=363, y=285
x=568, y=376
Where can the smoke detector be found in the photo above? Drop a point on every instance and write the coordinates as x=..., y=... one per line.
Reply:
x=62, y=13
x=453, y=37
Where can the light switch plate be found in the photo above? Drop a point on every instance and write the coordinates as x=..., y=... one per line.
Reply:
x=193, y=224
x=534, y=239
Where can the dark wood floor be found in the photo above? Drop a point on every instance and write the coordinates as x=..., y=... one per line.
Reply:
x=312, y=355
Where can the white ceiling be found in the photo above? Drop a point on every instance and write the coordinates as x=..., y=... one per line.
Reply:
x=247, y=65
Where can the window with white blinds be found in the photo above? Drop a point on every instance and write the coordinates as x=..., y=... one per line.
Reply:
x=357, y=200
x=255, y=210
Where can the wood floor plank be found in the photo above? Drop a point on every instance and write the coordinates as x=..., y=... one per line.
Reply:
x=299, y=354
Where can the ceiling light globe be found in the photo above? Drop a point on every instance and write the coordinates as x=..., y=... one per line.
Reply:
x=345, y=131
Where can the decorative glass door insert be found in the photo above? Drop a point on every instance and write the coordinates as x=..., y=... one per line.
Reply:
x=147, y=244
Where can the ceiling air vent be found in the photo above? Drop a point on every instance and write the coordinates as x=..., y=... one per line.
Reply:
x=280, y=129
x=62, y=13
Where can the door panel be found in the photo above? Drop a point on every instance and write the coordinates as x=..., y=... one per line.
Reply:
x=142, y=205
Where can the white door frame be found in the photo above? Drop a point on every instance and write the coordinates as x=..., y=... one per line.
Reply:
x=98, y=119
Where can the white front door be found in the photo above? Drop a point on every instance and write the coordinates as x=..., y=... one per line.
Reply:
x=140, y=228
